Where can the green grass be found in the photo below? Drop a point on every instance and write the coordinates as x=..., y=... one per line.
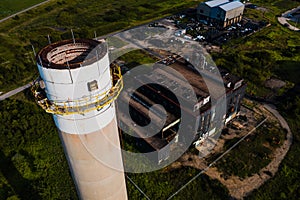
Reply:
x=9, y=7
x=33, y=165
x=116, y=42
x=288, y=70
x=161, y=185
x=285, y=184
x=137, y=57
x=28, y=137
x=262, y=55
x=254, y=14
x=253, y=153
x=57, y=17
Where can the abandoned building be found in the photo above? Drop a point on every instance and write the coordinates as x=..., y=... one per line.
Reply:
x=201, y=111
x=221, y=12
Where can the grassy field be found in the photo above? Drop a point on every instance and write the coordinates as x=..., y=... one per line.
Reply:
x=136, y=58
x=9, y=7
x=263, y=55
x=56, y=18
x=285, y=184
x=252, y=154
x=30, y=147
x=271, y=52
x=33, y=165
x=161, y=185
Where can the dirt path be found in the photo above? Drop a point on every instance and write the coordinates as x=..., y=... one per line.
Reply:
x=239, y=188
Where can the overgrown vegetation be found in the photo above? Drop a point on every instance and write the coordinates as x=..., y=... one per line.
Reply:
x=161, y=185
x=272, y=52
x=136, y=58
x=252, y=154
x=33, y=165
x=264, y=54
x=9, y=7
x=285, y=184
x=56, y=18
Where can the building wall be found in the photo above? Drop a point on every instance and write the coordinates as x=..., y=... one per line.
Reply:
x=206, y=121
x=234, y=13
x=203, y=123
x=217, y=14
x=234, y=100
x=203, y=10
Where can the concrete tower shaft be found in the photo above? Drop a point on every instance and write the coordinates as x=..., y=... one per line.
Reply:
x=78, y=88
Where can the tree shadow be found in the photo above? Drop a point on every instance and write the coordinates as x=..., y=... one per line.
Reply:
x=21, y=186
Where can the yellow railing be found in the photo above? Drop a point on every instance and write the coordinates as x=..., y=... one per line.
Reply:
x=83, y=105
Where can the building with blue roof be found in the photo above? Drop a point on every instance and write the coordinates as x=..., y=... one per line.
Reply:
x=222, y=12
